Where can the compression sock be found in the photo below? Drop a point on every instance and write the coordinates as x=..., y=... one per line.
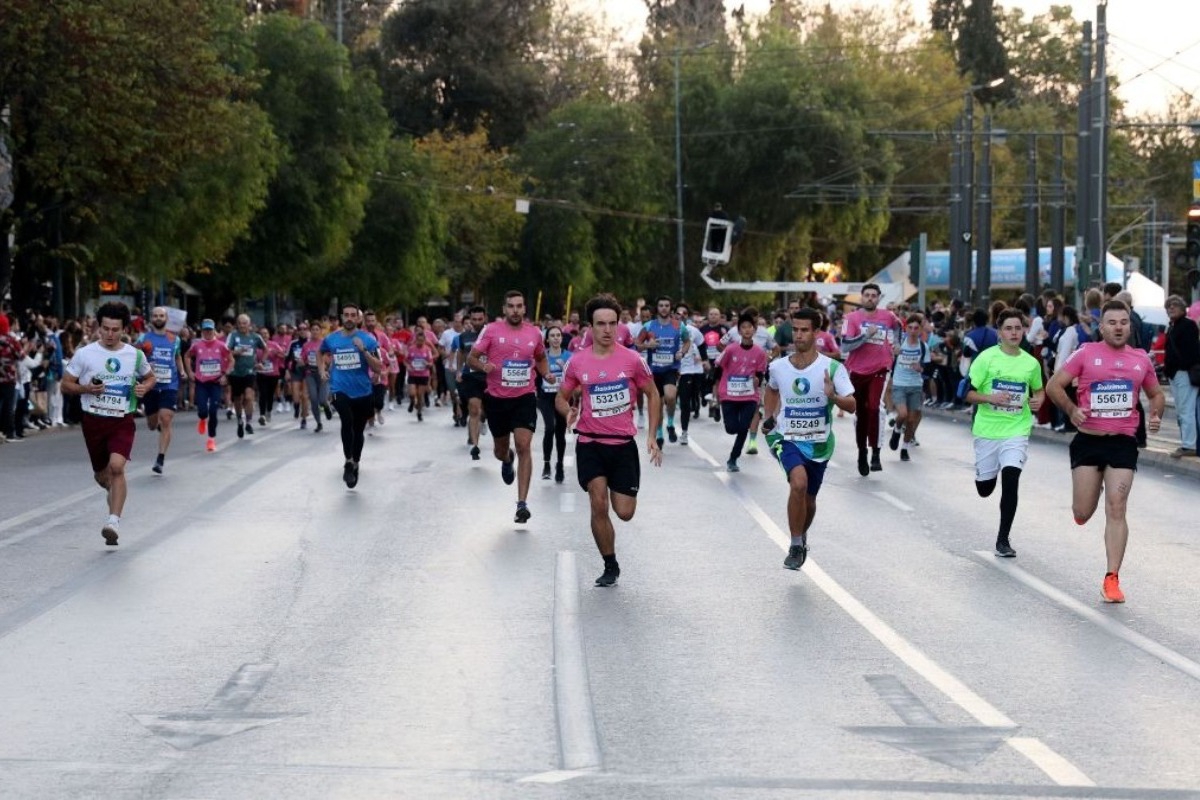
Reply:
x=1010, y=478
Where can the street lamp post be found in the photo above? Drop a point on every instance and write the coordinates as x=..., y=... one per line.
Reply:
x=678, y=184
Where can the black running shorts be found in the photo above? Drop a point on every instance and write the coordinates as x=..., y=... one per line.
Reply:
x=506, y=414
x=664, y=379
x=616, y=462
x=1117, y=452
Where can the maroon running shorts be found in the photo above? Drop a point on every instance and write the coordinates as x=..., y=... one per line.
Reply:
x=105, y=436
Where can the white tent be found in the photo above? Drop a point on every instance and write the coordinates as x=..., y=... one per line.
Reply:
x=1149, y=299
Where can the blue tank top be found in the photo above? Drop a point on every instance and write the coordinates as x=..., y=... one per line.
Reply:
x=162, y=358
x=664, y=357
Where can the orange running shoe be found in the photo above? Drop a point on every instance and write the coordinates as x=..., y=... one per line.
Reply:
x=1112, y=589
x=212, y=448
x=202, y=427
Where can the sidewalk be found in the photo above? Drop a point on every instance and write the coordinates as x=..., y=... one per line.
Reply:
x=1157, y=450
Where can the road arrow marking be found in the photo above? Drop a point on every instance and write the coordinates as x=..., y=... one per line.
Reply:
x=224, y=715
x=923, y=734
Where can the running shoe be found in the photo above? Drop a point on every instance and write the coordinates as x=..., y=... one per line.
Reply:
x=732, y=466
x=157, y=469
x=109, y=532
x=475, y=453
x=304, y=424
x=319, y=427
x=609, y=578
x=202, y=426
x=228, y=413
x=523, y=515
x=683, y=440
x=506, y=468
x=348, y=473
x=420, y=416
x=262, y=421
x=211, y=445
x=904, y=455
x=249, y=428
x=671, y=434
x=752, y=448
x=1111, y=591
x=559, y=476
x=864, y=468
x=353, y=478
x=797, y=555
x=716, y=413
x=1004, y=549
x=875, y=465
x=894, y=439
x=328, y=411
x=545, y=470
x=241, y=429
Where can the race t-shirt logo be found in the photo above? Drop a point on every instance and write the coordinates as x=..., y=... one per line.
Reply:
x=112, y=364
x=801, y=385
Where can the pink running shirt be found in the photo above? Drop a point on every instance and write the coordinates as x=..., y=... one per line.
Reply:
x=881, y=329
x=515, y=352
x=310, y=353
x=609, y=392
x=419, y=359
x=209, y=359
x=738, y=368
x=272, y=361
x=1110, y=383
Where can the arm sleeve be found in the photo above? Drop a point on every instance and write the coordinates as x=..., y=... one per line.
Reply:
x=841, y=380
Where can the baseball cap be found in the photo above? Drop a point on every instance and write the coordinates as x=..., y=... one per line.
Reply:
x=208, y=325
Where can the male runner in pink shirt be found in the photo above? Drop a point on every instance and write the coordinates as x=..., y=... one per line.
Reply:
x=871, y=336
x=1111, y=376
x=508, y=352
x=608, y=377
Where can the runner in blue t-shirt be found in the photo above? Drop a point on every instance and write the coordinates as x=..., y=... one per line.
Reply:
x=662, y=340
x=161, y=348
x=347, y=358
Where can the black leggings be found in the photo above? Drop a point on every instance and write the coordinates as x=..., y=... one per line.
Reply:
x=690, y=389
x=266, y=393
x=738, y=416
x=554, y=426
x=354, y=412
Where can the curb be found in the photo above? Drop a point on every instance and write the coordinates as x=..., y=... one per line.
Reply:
x=1149, y=456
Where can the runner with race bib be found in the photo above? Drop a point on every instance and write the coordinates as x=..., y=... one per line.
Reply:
x=739, y=370
x=162, y=350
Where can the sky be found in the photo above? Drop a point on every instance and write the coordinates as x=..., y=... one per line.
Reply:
x=1143, y=35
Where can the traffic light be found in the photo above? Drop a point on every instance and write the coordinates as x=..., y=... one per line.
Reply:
x=1193, y=232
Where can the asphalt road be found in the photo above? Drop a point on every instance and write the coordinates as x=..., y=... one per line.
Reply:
x=263, y=631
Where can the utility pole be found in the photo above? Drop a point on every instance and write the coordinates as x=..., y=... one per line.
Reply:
x=956, y=200
x=1097, y=250
x=983, y=288
x=1058, y=218
x=1032, y=267
x=1083, y=153
x=968, y=206
x=678, y=185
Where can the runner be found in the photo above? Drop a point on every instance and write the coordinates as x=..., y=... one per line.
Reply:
x=908, y=378
x=316, y=388
x=508, y=352
x=798, y=401
x=606, y=456
x=352, y=354
x=1006, y=383
x=555, y=424
x=418, y=361
x=109, y=375
x=162, y=350
x=209, y=361
x=714, y=331
x=472, y=382
x=267, y=374
x=379, y=379
x=869, y=337
x=295, y=373
x=1104, y=453
x=662, y=339
x=248, y=349
x=739, y=372
x=764, y=339
x=691, y=372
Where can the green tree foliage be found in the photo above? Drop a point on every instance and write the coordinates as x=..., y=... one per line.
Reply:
x=465, y=65
x=599, y=213
x=475, y=190
x=102, y=99
x=397, y=253
x=332, y=131
x=1043, y=56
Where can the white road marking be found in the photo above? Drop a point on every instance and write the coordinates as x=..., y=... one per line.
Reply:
x=50, y=509
x=896, y=501
x=1109, y=625
x=556, y=776
x=1057, y=768
x=578, y=741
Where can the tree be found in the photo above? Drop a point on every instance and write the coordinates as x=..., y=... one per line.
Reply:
x=332, y=131
x=981, y=54
x=465, y=65
x=102, y=99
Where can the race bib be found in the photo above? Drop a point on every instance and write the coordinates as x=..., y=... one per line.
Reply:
x=114, y=402
x=740, y=386
x=209, y=367
x=162, y=374
x=1112, y=399
x=662, y=358
x=347, y=360
x=515, y=374
x=1017, y=405
x=877, y=334
x=610, y=399
x=267, y=366
x=805, y=424
x=312, y=358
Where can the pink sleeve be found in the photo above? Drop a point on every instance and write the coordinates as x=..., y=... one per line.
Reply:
x=484, y=342
x=569, y=381
x=1073, y=366
x=853, y=328
x=644, y=375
